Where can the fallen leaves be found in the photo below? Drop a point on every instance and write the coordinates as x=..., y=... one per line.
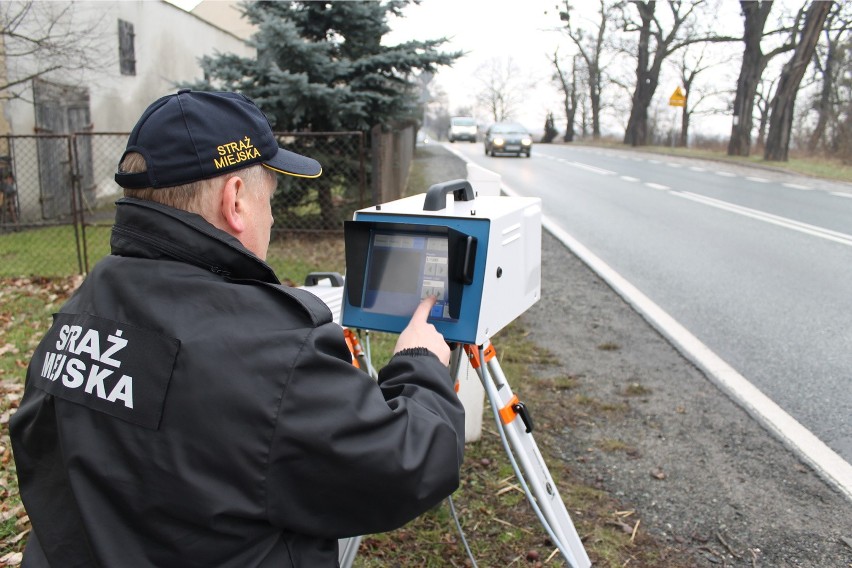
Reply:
x=25, y=308
x=12, y=559
x=8, y=348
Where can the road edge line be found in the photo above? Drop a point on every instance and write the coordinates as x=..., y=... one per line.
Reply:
x=832, y=468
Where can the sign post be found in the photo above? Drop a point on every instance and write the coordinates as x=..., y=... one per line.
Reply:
x=678, y=99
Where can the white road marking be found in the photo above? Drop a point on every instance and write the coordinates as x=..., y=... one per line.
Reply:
x=812, y=230
x=825, y=461
x=629, y=178
x=592, y=168
x=797, y=186
x=757, y=179
x=723, y=173
x=840, y=194
x=657, y=186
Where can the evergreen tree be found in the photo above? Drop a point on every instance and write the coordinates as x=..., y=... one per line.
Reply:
x=321, y=66
x=550, y=131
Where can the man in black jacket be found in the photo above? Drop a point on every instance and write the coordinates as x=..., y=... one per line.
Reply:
x=186, y=409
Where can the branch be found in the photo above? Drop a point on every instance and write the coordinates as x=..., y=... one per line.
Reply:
x=50, y=36
x=28, y=78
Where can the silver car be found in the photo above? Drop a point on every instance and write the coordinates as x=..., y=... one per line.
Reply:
x=508, y=138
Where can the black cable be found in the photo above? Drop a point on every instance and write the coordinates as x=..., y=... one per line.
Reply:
x=461, y=532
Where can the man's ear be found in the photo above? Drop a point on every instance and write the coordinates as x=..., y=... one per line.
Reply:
x=231, y=206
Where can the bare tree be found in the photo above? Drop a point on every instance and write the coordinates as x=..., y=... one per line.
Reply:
x=38, y=39
x=591, y=48
x=841, y=139
x=763, y=98
x=583, y=102
x=754, y=62
x=781, y=108
x=502, y=87
x=689, y=68
x=829, y=66
x=654, y=45
x=568, y=86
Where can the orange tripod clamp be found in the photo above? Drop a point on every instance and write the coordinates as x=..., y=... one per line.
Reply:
x=354, y=345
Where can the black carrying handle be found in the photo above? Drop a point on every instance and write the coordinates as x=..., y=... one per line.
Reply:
x=436, y=196
x=313, y=278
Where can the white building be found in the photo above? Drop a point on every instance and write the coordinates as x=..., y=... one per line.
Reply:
x=147, y=46
x=116, y=57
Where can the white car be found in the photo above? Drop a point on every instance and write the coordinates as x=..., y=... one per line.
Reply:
x=462, y=128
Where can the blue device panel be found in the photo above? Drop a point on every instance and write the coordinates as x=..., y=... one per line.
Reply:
x=393, y=262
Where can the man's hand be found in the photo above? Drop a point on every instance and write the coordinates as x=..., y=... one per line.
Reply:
x=419, y=333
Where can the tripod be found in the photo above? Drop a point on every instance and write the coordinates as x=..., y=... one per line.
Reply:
x=538, y=485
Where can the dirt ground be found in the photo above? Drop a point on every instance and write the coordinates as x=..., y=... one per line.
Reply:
x=655, y=433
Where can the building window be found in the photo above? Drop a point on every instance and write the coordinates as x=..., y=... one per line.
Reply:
x=126, y=52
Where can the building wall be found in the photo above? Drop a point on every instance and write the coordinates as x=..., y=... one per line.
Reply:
x=225, y=14
x=168, y=44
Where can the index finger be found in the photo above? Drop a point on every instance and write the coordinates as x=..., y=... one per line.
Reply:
x=423, y=309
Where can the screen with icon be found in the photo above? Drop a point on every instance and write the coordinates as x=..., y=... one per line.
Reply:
x=404, y=268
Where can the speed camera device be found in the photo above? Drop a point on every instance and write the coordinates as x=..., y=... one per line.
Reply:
x=479, y=256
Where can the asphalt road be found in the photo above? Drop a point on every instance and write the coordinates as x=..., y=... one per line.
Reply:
x=755, y=263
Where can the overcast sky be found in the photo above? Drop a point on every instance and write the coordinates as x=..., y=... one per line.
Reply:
x=529, y=31
x=486, y=30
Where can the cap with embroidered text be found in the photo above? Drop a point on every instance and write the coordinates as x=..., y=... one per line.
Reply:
x=195, y=135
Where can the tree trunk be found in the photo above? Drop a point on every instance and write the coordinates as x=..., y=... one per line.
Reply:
x=781, y=115
x=636, y=133
x=595, y=97
x=591, y=53
x=761, y=129
x=571, y=107
x=572, y=112
x=569, y=96
x=754, y=19
x=824, y=103
x=687, y=78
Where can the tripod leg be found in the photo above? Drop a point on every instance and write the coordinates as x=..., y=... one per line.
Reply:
x=540, y=488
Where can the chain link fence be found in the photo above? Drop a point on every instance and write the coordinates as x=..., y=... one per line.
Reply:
x=39, y=229
x=58, y=196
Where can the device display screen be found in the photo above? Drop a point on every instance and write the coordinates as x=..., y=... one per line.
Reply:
x=404, y=268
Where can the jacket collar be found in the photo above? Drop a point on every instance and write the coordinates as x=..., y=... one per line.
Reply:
x=151, y=230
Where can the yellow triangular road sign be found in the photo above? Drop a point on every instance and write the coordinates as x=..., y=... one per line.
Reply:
x=678, y=99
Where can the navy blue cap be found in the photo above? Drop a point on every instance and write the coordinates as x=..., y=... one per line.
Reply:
x=196, y=135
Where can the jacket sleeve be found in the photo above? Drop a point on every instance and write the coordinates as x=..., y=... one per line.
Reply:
x=351, y=457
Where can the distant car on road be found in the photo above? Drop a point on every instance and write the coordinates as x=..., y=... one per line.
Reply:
x=508, y=138
x=462, y=128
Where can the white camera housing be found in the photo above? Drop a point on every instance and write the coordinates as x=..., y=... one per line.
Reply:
x=480, y=256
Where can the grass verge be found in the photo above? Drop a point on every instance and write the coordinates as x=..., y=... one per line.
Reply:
x=498, y=522
x=814, y=166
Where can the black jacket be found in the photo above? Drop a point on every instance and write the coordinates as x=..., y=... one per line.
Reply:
x=186, y=409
